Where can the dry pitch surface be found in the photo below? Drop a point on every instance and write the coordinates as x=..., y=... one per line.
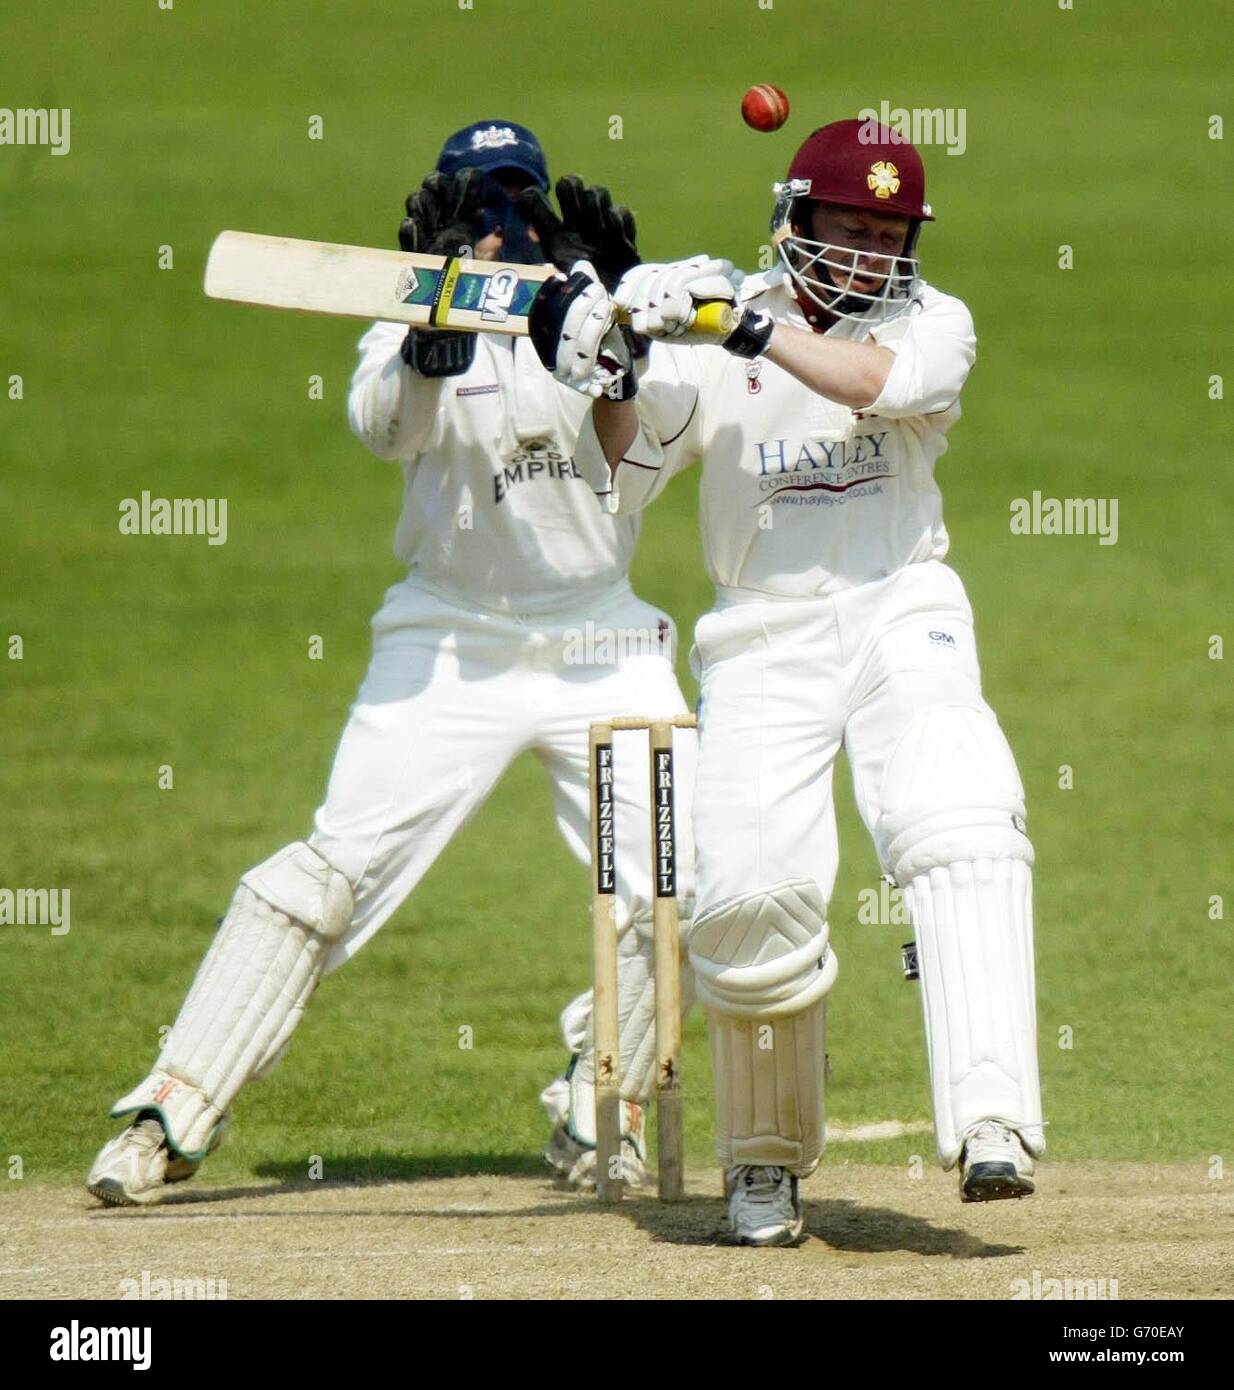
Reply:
x=1160, y=1230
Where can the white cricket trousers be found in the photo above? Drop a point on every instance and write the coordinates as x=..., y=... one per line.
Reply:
x=452, y=696
x=784, y=686
x=888, y=672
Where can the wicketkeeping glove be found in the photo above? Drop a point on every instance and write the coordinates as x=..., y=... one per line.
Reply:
x=443, y=214
x=442, y=220
x=572, y=327
x=590, y=229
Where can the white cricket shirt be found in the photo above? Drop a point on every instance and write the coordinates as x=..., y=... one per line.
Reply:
x=496, y=514
x=800, y=496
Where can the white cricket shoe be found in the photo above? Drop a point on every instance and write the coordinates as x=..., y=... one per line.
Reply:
x=136, y=1167
x=763, y=1205
x=575, y=1162
x=994, y=1164
x=572, y=1157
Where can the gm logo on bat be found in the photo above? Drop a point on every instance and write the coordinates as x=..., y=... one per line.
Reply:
x=498, y=296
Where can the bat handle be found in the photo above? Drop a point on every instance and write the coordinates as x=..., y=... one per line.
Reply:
x=715, y=318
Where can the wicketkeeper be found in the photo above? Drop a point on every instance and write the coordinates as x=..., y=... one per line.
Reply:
x=837, y=624
x=515, y=628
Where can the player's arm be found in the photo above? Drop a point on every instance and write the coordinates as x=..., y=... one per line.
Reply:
x=629, y=449
x=648, y=412
x=645, y=421
x=396, y=389
x=934, y=351
x=442, y=220
x=853, y=374
x=914, y=365
x=391, y=408
x=615, y=424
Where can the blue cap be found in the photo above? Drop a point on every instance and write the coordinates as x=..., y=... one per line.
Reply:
x=492, y=145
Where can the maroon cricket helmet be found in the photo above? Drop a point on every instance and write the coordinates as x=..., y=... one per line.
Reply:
x=856, y=164
x=862, y=164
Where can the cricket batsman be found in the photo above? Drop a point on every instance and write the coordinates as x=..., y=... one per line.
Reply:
x=837, y=624
x=481, y=653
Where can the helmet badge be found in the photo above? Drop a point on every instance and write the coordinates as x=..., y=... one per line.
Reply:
x=883, y=179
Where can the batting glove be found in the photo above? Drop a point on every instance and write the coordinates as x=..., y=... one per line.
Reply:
x=572, y=329
x=662, y=300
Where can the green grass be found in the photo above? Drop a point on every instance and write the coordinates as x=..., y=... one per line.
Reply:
x=1086, y=128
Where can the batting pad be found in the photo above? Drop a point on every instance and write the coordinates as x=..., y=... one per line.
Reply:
x=769, y=1088
x=248, y=995
x=764, y=953
x=973, y=922
x=950, y=792
x=763, y=967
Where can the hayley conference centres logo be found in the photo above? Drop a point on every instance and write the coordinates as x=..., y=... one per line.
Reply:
x=29, y=125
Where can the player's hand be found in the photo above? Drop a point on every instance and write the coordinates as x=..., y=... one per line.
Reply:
x=436, y=354
x=443, y=214
x=590, y=228
x=662, y=300
x=572, y=325
x=442, y=220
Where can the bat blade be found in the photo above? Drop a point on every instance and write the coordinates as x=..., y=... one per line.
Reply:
x=321, y=277
x=365, y=282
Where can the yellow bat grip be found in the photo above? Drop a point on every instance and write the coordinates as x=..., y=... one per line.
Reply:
x=715, y=317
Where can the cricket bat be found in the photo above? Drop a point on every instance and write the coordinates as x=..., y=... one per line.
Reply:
x=320, y=277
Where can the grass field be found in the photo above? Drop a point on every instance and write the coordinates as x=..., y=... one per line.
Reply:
x=1086, y=128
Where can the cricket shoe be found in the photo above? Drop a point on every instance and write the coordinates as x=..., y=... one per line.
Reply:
x=572, y=1157
x=763, y=1205
x=575, y=1161
x=136, y=1167
x=994, y=1164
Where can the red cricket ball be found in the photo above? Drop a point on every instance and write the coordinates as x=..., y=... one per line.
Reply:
x=764, y=107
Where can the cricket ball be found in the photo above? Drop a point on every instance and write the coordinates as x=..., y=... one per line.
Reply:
x=764, y=107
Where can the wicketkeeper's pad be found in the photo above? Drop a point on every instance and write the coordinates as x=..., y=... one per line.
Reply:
x=248, y=995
